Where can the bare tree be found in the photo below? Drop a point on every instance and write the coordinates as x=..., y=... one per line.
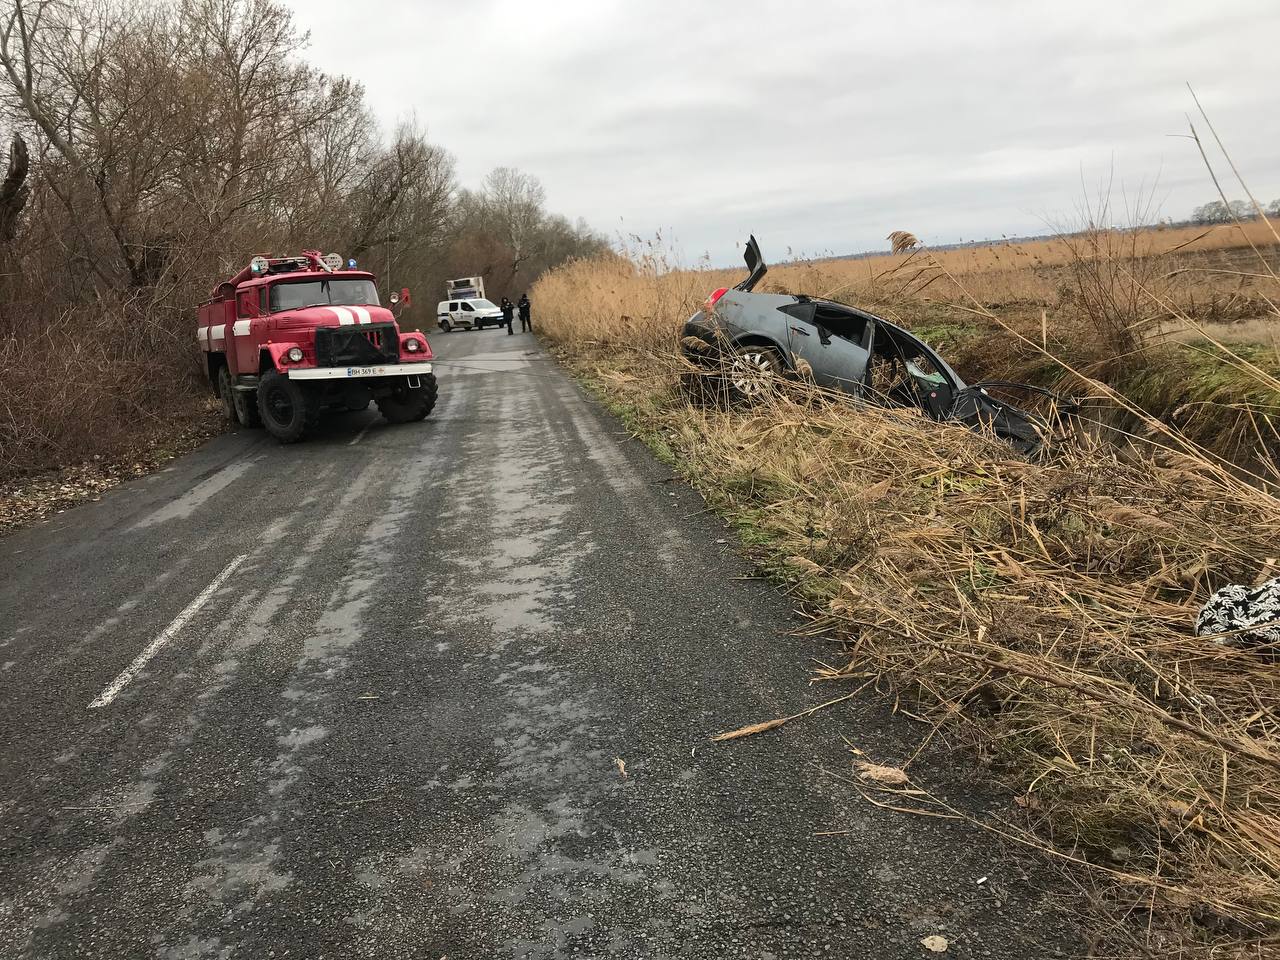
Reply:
x=514, y=203
x=410, y=175
x=14, y=191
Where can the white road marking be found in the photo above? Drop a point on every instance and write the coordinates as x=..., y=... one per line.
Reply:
x=360, y=436
x=180, y=621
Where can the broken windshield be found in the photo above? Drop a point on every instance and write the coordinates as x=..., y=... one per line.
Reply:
x=336, y=291
x=927, y=376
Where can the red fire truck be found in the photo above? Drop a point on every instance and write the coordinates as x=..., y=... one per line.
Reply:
x=288, y=338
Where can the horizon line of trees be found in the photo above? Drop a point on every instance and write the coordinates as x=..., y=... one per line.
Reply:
x=1216, y=211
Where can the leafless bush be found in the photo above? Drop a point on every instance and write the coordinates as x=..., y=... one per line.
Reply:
x=1114, y=271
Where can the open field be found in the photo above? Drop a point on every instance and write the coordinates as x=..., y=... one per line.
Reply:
x=1213, y=270
x=1177, y=320
x=1058, y=251
x=1039, y=613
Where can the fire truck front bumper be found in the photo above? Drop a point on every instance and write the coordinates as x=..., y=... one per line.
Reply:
x=351, y=373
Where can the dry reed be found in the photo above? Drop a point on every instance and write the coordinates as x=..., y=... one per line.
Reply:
x=1044, y=608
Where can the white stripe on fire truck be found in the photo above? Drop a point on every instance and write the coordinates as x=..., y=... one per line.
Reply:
x=344, y=316
x=218, y=331
x=362, y=315
x=201, y=333
x=241, y=328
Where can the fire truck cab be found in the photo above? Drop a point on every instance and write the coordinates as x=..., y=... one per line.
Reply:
x=287, y=339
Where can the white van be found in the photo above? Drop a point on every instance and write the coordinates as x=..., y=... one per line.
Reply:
x=470, y=314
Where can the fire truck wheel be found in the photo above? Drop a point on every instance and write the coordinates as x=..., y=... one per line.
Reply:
x=226, y=394
x=246, y=408
x=288, y=410
x=405, y=404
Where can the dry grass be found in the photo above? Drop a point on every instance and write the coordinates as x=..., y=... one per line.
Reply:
x=95, y=381
x=1210, y=272
x=1148, y=319
x=1044, y=609
x=1059, y=251
x=1201, y=263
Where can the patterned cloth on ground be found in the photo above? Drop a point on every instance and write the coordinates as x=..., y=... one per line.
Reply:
x=1235, y=607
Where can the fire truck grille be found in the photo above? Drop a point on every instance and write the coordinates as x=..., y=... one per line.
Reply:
x=357, y=346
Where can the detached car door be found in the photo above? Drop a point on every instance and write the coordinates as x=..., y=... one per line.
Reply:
x=833, y=343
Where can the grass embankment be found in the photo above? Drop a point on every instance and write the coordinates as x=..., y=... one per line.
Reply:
x=1044, y=610
x=27, y=499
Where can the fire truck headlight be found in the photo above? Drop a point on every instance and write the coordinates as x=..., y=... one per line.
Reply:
x=413, y=346
x=294, y=355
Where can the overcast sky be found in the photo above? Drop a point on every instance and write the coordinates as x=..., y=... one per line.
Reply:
x=821, y=125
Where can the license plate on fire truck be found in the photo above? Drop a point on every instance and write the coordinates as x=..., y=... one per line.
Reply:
x=344, y=373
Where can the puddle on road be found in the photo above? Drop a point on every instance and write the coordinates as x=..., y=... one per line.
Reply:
x=285, y=769
x=513, y=552
x=545, y=864
x=240, y=870
x=197, y=496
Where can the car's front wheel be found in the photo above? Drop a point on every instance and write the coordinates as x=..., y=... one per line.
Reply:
x=752, y=373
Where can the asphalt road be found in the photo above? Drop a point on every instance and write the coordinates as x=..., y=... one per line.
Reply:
x=446, y=689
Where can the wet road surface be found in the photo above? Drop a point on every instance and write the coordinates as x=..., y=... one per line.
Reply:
x=445, y=690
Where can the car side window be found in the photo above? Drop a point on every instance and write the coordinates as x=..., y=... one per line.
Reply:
x=468, y=308
x=839, y=323
x=453, y=305
x=801, y=311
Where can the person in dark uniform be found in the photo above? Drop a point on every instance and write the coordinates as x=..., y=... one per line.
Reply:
x=523, y=305
x=508, y=314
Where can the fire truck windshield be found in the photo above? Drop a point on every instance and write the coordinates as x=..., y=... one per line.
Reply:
x=296, y=294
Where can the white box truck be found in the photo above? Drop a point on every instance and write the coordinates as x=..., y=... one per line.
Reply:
x=466, y=288
x=466, y=307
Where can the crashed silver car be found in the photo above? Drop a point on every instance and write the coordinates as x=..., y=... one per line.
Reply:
x=744, y=341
